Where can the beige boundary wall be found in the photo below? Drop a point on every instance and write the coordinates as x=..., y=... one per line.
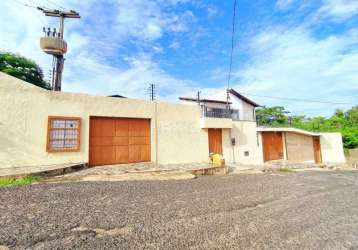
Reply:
x=248, y=147
x=24, y=111
x=352, y=157
x=25, y=108
x=332, y=148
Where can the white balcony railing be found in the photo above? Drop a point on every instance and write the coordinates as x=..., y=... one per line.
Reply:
x=220, y=113
x=233, y=114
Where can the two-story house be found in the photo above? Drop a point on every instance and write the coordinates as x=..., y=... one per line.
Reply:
x=230, y=121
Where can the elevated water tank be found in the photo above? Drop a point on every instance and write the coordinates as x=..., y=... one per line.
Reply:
x=53, y=45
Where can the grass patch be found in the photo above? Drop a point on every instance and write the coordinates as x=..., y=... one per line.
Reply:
x=11, y=182
x=286, y=170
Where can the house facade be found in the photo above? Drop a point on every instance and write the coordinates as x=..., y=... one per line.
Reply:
x=40, y=127
x=231, y=117
x=297, y=145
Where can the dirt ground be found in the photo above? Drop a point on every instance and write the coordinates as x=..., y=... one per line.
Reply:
x=301, y=210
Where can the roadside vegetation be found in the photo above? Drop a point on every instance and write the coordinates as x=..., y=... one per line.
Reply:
x=345, y=122
x=286, y=170
x=22, y=68
x=26, y=180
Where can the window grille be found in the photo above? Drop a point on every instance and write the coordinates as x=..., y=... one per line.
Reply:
x=63, y=134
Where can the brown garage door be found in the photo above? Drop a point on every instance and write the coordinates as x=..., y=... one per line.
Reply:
x=272, y=146
x=299, y=147
x=118, y=140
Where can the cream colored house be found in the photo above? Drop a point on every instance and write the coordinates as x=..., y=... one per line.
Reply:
x=40, y=127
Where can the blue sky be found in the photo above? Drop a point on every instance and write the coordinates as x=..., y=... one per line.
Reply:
x=285, y=48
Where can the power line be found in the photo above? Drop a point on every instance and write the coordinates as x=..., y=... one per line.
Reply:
x=31, y=7
x=298, y=99
x=35, y=6
x=25, y=4
x=232, y=43
x=56, y=4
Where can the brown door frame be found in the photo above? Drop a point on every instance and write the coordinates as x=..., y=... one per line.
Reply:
x=317, y=152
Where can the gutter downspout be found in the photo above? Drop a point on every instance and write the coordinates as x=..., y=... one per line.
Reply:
x=233, y=147
x=228, y=110
x=156, y=131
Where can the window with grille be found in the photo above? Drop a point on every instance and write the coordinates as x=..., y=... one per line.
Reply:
x=63, y=134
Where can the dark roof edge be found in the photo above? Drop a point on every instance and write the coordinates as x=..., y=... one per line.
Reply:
x=117, y=96
x=202, y=100
x=240, y=96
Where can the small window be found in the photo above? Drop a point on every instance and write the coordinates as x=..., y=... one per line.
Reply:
x=63, y=134
x=247, y=153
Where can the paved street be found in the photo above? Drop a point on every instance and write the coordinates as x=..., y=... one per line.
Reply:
x=306, y=210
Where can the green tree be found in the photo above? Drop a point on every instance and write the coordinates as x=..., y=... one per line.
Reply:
x=350, y=137
x=340, y=121
x=350, y=128
x=22, y=68
x=272, y=116
x=352, y=116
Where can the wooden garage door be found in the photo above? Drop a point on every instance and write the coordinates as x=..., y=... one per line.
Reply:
x=215, y=141
x=299, y=147
x=272, y=146
x=118, y=140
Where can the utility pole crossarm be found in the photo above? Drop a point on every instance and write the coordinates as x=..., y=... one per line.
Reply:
x=58, y=13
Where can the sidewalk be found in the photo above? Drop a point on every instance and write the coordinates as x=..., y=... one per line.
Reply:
x=45, y=170
x=118, y=172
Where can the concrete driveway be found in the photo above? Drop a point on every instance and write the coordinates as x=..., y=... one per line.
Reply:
x=306, y=210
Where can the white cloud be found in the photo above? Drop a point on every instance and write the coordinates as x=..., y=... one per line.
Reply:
x=95, y=39
x=131, y=82
x=295, y=64
x=283, y=4
x=147, y=20
x=212, y=11
x=174, y=45
x=286, y=63
x=20, y=35
x=338, y=9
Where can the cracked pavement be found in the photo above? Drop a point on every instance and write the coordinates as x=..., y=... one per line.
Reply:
x=306, y=210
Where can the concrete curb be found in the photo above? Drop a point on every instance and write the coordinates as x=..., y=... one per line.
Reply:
x=43, y=171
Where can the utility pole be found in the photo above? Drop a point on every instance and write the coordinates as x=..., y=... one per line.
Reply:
x=54, y=44
x=152, y=95
x=198, y=97
x=227, y=98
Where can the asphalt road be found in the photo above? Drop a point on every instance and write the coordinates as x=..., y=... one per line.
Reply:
x=308, y=210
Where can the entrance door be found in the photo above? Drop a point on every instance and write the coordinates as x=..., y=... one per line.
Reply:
x=215, y=141
x=317, y=150
x=272, y=146
x=118, y=140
